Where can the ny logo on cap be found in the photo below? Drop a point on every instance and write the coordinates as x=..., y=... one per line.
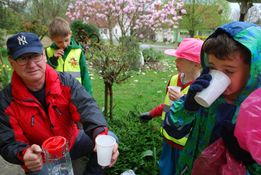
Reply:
x=22, y=40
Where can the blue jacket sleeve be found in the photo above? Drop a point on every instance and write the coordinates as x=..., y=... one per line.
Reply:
x=178, y=121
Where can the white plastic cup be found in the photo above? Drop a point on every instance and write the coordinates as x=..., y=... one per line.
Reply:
x=219, y=83
x=105, y=144
x=174, y=88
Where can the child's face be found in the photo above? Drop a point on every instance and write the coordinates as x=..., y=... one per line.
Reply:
x=62, y=42
x=185, y=66
x=236, y=69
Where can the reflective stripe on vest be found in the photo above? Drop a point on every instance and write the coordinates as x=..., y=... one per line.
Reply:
x=181, y=141
x=71, y=64
x=166, y=108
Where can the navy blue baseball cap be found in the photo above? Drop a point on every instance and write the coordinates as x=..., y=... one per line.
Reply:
x=22, y=43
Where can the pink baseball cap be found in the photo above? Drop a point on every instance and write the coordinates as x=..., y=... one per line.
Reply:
x=189, y=49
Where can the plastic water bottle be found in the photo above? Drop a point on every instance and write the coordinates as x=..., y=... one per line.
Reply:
x=128, y=172
x=57, y=156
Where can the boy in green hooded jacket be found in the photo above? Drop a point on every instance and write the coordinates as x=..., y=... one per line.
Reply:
x=234, y=49
x=66, y=55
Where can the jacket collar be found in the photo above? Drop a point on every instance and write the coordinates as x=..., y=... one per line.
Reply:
x=20, y=91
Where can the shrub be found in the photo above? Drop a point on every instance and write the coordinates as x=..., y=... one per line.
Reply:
x=113, y=67
x=37, y=27
x=2, y=37
x=139, y=144
x=78, y=25
x=9, y=19
x=151, y=55
x=5, y=69
x=132, y=50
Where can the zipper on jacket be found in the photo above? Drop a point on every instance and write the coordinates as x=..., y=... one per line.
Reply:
x=32, y=121
x=57, y=110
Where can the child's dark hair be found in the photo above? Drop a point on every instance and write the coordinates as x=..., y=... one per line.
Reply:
x=222, y=46
x=59, y=27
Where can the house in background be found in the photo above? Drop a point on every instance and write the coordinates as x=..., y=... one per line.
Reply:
x=102, y=24
x=177, y=35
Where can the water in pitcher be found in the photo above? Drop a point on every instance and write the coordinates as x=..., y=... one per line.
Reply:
x=57, y=156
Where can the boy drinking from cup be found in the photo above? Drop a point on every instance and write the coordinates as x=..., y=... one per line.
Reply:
x=233, y=49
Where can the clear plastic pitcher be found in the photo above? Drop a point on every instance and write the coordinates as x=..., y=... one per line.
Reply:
x=128, y=172
x=57, y=156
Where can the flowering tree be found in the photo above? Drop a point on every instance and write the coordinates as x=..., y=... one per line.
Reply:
x=131, y=15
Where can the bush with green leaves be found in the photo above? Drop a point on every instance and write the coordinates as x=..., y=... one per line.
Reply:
x=78, y=25
x=2, y=37
x=37, y=27
x=10, y=19
x=5, y=69
x=151, y=55
x=132, y=50
x=139, y=144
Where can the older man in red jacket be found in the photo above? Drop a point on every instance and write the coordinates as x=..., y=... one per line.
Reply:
x=40, y=103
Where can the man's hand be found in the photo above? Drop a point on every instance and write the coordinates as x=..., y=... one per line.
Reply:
x=33, y=158
x=115, y=154
x=58, y=53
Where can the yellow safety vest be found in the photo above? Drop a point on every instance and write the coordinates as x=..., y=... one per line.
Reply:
x=71, y=64
x=166, y=108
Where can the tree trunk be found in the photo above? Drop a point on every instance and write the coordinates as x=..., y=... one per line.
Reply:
x=106, y=89
x=110, y=33
x=111, y=100
x=242, y=17
x=244, y=6
x=176, y=41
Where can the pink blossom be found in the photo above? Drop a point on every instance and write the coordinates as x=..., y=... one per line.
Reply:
x=148, y=13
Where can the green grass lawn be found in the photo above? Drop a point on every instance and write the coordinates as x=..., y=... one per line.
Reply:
x=140, y=144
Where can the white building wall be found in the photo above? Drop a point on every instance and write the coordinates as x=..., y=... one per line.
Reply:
x=164, y=34
x=116, y=33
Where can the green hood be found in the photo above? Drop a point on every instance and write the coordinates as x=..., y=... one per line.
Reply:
x=204, y=120
x=249, y=35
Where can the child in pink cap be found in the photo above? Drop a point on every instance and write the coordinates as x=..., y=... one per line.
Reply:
x=188, y=65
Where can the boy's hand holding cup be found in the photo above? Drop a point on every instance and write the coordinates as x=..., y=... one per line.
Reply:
x=219, y=83
x=206, y=89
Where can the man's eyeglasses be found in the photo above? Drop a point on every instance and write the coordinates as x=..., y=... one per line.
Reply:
x=33, y=57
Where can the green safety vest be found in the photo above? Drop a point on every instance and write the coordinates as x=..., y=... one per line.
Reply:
x=70, y=64
x=166, y=108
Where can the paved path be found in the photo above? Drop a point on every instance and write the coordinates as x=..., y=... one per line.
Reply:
x=9, y=169
x=156, y=47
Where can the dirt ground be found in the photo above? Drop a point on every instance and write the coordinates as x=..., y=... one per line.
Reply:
x=9, y=169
